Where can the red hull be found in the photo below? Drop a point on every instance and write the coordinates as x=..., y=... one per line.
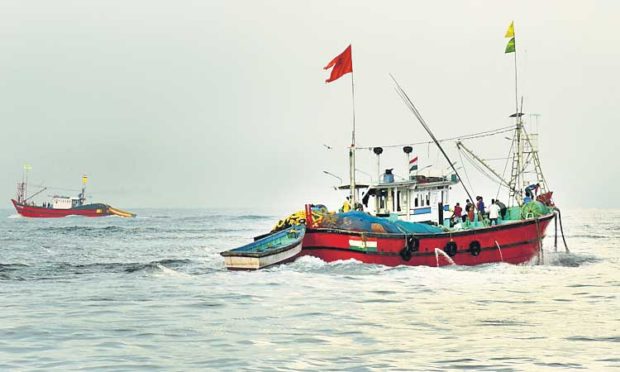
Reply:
x=519, y=242
x=92, y=210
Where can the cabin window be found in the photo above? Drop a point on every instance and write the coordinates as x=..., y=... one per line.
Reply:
x=398, y=201
x=428, y=199
x=415, y=201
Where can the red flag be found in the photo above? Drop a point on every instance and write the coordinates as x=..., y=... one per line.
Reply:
x=342, y=65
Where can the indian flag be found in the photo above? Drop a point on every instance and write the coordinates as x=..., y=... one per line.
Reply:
x=413, y=164
x=363, y=245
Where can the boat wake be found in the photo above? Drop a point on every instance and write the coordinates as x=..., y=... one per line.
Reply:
x=569, y=259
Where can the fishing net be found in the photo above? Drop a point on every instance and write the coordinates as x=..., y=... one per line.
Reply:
x=355, y=221
x=534, y=209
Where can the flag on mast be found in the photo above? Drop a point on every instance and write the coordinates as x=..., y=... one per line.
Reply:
x=511, y=30
x=511, y=47
x=413, y=164
x=341, y=65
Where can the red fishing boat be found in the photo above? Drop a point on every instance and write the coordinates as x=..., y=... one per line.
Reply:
x=61, y=206
x=511, y=241
x=406, y=222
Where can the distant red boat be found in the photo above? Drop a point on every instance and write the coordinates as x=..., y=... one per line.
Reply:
x=62, y=206
x=87, y=210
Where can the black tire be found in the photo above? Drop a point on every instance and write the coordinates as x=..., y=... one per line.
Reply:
x=405, y=253
x=450, y=249
x=474, y=248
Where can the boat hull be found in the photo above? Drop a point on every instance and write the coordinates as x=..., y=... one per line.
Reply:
x=256, y=263
x=88, y=210
x=513, y=242
x=272, y=249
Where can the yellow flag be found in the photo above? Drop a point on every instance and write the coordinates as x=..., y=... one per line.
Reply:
x=511, y=30
x=84, y=180
x=27, y=166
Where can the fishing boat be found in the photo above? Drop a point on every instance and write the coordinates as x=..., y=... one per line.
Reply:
x=276, y=248
x=406, y=222
x=59, y=205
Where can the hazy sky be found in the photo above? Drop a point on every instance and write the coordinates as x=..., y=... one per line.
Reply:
x=223, y=103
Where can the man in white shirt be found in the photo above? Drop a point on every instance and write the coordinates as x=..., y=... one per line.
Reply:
x=494, y=212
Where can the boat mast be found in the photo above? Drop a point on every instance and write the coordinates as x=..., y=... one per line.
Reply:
x=24, y=186
x=352, y=148
x=518, y=165
x=83, y=194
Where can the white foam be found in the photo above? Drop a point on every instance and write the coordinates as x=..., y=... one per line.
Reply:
x=170, y=272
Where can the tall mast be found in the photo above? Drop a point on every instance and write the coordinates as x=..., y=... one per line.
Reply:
x=517, y=168
x=27, y=168
x=83, y=194
x=341, y=65
x=352, y=148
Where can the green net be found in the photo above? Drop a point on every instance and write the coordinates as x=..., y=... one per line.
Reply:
x=534, y=209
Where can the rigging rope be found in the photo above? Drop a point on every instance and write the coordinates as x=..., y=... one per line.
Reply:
x=465, y=170
x=512, y=144
x=487, y=133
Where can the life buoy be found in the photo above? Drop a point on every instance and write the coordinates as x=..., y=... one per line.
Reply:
x=474, y=248
x=450, y=249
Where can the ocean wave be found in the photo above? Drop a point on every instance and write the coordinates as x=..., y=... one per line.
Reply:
x=115, y=229
x=90, y=229
x=589, y=236
x=62, y=269
x=12, y=267
x=252, y=217
x=225, y=217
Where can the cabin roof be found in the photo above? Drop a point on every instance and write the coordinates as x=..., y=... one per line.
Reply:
x=357, y=186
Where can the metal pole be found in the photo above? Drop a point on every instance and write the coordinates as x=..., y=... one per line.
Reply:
x=26, y=185
x=519, y=123
x=516, y=91
x=352, y=148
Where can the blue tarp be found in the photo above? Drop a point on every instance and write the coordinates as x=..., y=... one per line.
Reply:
x=418, y=228
x=360, y=221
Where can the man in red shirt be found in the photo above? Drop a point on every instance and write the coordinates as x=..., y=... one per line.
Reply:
x=456, y=215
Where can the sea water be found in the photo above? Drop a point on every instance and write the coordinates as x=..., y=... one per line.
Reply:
x=151, y=293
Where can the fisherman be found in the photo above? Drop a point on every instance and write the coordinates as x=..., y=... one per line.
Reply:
x=457, y=214
x=494, y=212
x=468, y=207
x=346, y=206
x=532, y=190
x=502, y=208
x=480, y=205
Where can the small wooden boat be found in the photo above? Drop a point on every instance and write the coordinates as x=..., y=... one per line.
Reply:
x=276, y=248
